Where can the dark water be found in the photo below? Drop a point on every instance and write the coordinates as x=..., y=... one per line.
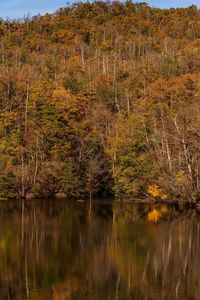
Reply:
x=60, y=250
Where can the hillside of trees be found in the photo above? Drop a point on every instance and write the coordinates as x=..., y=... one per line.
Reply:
x=101, y=98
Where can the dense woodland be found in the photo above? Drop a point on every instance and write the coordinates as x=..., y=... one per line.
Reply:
x=101, y=98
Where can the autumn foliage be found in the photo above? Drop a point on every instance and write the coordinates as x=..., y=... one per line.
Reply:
x=101, y=98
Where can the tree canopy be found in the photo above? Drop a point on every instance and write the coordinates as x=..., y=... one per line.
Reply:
x=100, y=98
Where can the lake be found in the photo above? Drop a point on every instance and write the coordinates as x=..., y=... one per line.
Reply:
x=116, y=251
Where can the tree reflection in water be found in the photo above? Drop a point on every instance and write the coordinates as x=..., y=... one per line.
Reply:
x=56, y=250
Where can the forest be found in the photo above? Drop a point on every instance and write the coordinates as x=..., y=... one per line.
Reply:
x=101, y=99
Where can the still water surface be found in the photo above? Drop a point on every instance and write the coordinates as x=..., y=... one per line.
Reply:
x=60, y=250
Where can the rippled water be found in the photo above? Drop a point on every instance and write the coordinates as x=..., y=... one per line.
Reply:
x=62, y=250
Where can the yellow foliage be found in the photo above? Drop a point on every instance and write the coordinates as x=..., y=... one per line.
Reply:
x=156, y=192
x=61, y=98
x=163, y=196
x=181, y=179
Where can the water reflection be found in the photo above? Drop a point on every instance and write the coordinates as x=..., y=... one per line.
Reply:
x=57, y=250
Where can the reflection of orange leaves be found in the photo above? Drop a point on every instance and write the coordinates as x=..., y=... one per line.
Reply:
x=154, y=216
x=67, y=289
x=164, y=209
